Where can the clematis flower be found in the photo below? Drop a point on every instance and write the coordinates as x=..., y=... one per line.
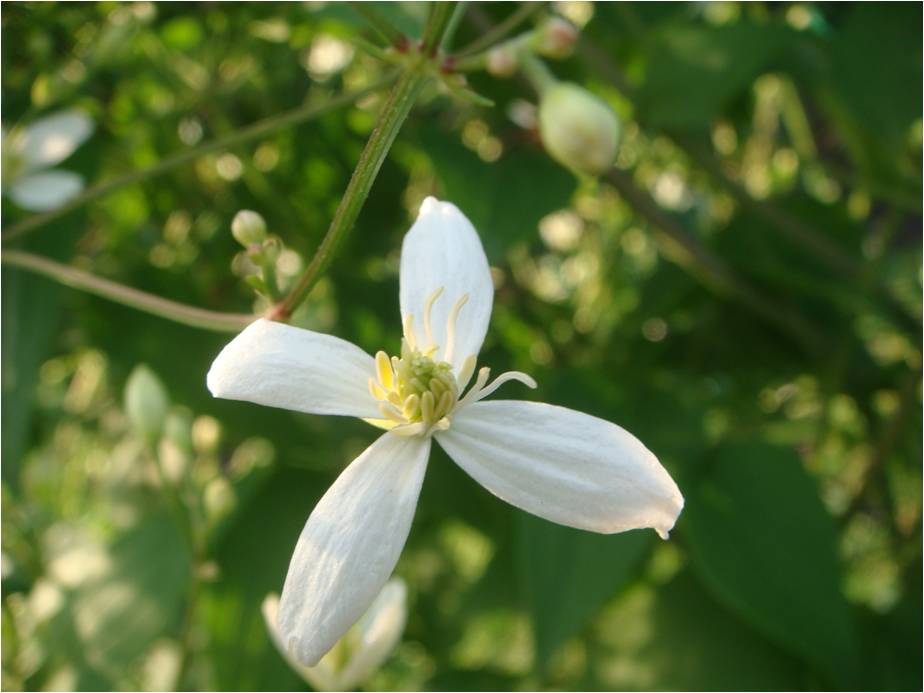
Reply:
x=29, y=154
x=359, y=653
x=559, y=464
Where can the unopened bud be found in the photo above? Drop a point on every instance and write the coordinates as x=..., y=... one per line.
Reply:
x=146, y=402
x=248, y=227
x=271, y=249
x=556, y=38
x=578, y=129
x=502, y=62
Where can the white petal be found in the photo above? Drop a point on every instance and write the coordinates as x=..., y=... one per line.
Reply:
x=40, y=191
x=52, y=139
x=442, y=250
x=380, y=628
x=350, y=545
x=282, y=366
x=565, y=466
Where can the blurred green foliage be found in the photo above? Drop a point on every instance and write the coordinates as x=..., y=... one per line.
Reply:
x=783, y=139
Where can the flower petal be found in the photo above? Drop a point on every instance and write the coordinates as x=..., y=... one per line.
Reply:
x=350, y=545
x=442, y=250
x=52, y=139
x=38, y=192
x=564, y=466
x=282, y=366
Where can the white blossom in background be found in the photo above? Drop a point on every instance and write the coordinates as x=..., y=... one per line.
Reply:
x=30, y=153
x=559, y=464
x=359, y=653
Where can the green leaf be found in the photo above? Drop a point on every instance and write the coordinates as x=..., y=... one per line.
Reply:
x=504, y=199
x=567, y=575
x=676, y=637
x=694, y=72
x=762, y=541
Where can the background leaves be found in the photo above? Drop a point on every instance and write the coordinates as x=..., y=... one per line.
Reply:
x=781, y=142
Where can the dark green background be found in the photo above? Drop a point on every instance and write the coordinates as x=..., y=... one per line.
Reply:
x=793, y=135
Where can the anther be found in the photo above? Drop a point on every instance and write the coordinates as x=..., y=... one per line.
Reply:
x=451, y=327
x=428, y=307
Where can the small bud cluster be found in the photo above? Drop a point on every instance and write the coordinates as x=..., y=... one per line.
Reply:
x=257, y=262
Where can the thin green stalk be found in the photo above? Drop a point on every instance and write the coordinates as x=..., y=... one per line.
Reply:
x=391, y=117
x=385, y=28
x=126, y=295
x=435, y=28
x=500, y=31
x=259, y=129
x=453, y=25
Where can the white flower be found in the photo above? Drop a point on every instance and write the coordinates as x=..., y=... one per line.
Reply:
x=557, y=463
x=359, y=653
x=28, y=153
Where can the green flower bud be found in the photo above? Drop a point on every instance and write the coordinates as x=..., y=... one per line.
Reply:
x=578, y=129
x=248, y=228
x=271, y=249
x=219, y=499
x=146, y=402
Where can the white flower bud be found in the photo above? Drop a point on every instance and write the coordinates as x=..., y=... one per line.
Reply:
x=502, y=62
x=146, y=402
x=556, y=38
x=362, y=651
x=248, y=227
x=578, y=129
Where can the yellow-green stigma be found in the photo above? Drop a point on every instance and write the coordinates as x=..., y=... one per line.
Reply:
x=415, y=393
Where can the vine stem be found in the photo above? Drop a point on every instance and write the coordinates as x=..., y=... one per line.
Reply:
x=254, y=131
x=126, y=295
x=391, y=117
x=500, y=31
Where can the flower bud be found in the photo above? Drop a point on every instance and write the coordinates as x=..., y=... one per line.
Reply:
x=578, y=129
x=248, y=227
x=556, y=38
x=502, y=61
x=146, y=402
x=271, y=249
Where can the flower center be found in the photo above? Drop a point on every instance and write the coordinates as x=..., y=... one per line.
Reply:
x=417, y=394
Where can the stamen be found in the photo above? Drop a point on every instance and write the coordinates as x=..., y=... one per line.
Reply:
x=466, y=371
x=384, y=370
x=411, y=406
x=426, y=406
x=428, y=307
x=451, y=327
x=389, y=412
x=409, y=336
x=409, y=429
x=376, y=390
x=503, y=378
x=480, y=381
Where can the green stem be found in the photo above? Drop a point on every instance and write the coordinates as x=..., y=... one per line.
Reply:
x=126, y=295
x=497, y=33
x=453, y=25
x=259, y=129
x=391, y=117
x=435, y=28
x=536, y=72
x=388, y=31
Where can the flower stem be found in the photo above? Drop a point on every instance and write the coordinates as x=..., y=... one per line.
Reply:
x=499, y=32
x=126, y=295
x=256, y=130
x=435, y=28
x=391, y=117
x=385, y=28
